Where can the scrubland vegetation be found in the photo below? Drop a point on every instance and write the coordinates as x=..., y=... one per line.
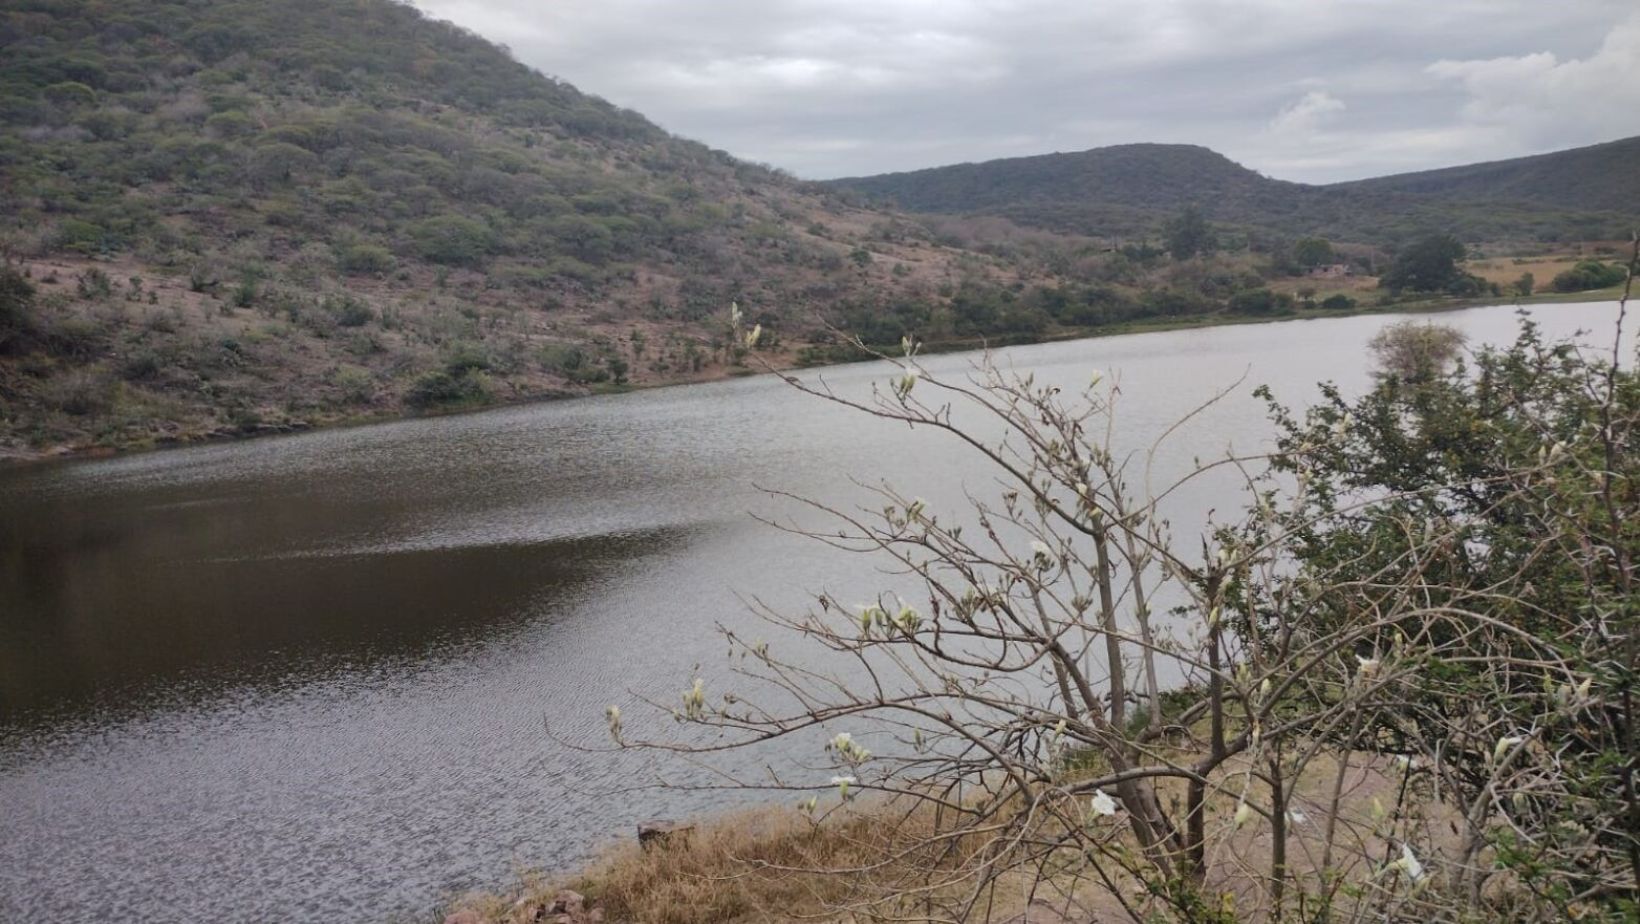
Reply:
x=379, y=212
x=246, y=217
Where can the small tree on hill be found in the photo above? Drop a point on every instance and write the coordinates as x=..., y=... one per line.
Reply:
x=1311, y=252
x=1188, y=234
x=16, y=307
x=1430, y=264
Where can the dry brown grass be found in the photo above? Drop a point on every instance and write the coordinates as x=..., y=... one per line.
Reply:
x=1544, y=263
x=746, y=867
x=776, y=865
x=1360, y=288
x=755, y=865
x=1504, y=271
x=769, y=865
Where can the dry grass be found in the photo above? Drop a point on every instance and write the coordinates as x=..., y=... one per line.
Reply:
x=756, y=865
x=748, y=867
x=1504, y=272
x=1545, y=263
x=776, y=865
x=869, y=862
x=1360, y=288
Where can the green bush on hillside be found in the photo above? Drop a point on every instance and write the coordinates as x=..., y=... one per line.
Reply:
x=16, y=308
x=452, y=240
x=365, y=258
x=1588, y=275
x=1260, y=301
x=441, y=388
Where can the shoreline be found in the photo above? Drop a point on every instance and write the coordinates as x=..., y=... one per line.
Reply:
x=787, y=362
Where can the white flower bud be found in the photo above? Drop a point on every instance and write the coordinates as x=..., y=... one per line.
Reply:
x=1102, y=803
x=1407, y=865
x=1503, y=746
x=1367, y=668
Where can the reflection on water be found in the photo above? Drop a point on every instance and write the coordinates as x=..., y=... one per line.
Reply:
x=306, y=678
x=245, y=618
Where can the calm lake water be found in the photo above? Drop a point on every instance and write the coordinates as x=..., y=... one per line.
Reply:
x=308, y=678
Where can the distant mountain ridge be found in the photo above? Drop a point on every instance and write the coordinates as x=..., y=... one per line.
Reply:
x=1142, y=175
x=1598, y=177
x=1127, y=189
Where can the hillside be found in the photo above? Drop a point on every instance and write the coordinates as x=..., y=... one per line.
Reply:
x=1600, y=177
x=239, y=217
x=1129, y=190
x=232, y=217
x=1140, y=175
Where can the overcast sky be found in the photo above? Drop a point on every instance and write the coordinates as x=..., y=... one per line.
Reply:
x=1310, y=90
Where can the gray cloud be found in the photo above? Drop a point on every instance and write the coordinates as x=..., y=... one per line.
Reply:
x=1299, y=89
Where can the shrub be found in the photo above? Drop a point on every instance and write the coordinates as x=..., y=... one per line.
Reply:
x=244, y=294
x=94, y=283
x=1477, y=487
x=277, y=163
x=201, y=278
x=365, y=258
x=69, y=95
x=464, y=358
x=81, y=236
x=1338, y=302
x=349, y=311
x=1468, y=284
x=16, y=307
x=1168, y=303
x=140, y=366
x=441, y=389
x=76, y=338
x=452, y=240
x=565, y=359
x=1260, y=301
x=1411, y=351
x=1588, y=275
x=81, y=393
x=230, y=124
x=357, y=386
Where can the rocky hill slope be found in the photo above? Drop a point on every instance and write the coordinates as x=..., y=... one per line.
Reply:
x=239, y=216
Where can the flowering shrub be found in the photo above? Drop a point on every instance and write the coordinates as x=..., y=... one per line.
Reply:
x=1406, y=670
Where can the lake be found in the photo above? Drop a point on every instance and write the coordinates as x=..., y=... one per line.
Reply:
x=309, y=678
